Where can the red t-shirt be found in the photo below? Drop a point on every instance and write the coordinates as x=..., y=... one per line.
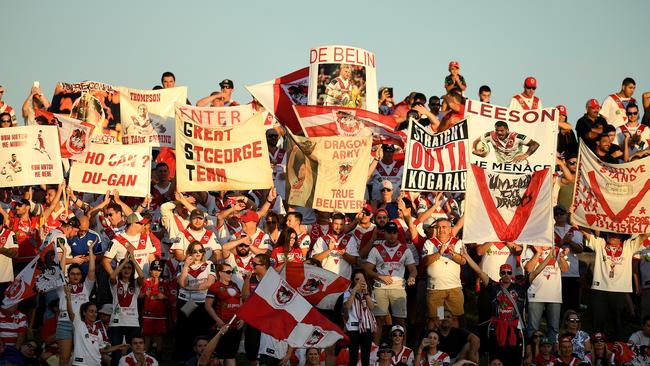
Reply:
x=154, y=308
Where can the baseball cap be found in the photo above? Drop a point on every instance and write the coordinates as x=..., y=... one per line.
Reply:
x=530, y=82
x=385, y=347
x=71, y=221
x=196, y=213
x=135, y=217
x=593, y=103
x=367, y=207
x=381, y=210
x=565, y=338
x=562, y=109
x=156, y=265
x=598, y=336
x=397, y=327
x=454, y=64
x=546, y=340
x=106, y=309
x=387, y=184
x=506, y=267
x=22, y=201
x=391, y=227
x=249, y=216
x=227, y=82
x=428, y=222
x=388, y=147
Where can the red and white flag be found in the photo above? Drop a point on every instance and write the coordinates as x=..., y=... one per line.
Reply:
x=321, y=121
x=318, y=286
x=278, y=310
x=74, y=135
x=277, y=96
x=42, y=274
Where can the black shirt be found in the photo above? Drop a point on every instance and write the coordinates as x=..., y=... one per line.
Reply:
x=454, y=342
x=584, y=125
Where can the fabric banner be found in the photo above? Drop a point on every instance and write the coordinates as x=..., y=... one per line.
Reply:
x=95, y=103
x=318, y=286
x=278, y=310
x=509, y=182
x=278, y=96
x=435, y=162
x=74, y=135
x=42, y=274
x=343, y=76
x=148, y=115
x=109, y=167
x=30, y=155
x=319, y=121
x=212, y=157
x=611, y=197
x=328, y=173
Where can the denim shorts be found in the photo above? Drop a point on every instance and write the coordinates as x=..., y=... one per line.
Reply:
x=64, y=330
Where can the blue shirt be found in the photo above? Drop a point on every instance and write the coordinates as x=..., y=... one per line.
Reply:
x=79, y=246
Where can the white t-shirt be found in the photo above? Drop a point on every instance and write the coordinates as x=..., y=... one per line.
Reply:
x=334, y=261
x=241, y=267
x=196, y=275
x=639, y=338
x=6, y=264
x=130, y=360
x=125, y=304
x=514, y=103
x=547, y=286
x=497, y=255
x=391, y=261
x=79, y=294
x=617, y=263
x=272, y=347
x=207, y=238
x=87, y=343
x=614, y=115
x=141, y=245
x=574, y=263
x=444, y=274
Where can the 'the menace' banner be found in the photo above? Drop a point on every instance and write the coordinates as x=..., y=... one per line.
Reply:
x=435, y=162
x=30, y=155
x=148, y=115
x=328, y=173
x=611, y=197
x=210, y=157
x=343, y=76
x=512, y=156
x=108, y=167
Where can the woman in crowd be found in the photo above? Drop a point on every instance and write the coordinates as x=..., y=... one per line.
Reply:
x=600, y=355
x=272, y=226
x=580, y=340
x=287, y=249
x=360, y=323
x=428, y=353
x=222, y=302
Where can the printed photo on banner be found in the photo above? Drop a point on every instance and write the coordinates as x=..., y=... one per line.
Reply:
x=435, y=162
x=612, y=197
x=301, y=171
x=147, y=116
x=74, y=135
x=342, y=76
x=92, y=102
x=108, y=167
x=30, y=155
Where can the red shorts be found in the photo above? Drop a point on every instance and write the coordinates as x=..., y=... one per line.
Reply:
x=154, y=326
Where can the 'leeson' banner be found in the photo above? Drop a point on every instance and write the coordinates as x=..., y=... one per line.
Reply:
x=612, y=197
x=512, y=155
x=211, y=157
x=435, y=162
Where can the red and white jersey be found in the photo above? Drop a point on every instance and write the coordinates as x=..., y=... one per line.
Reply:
x=444, y=274
x=198, y=274
x=54, y=220
x=640, y=133
x=391, y=261
x=318, y=230
x=258, y=240
x=359, y=231
x=79, y=294
x=338, y=92
x=6, y=266
x=496, y=255
x=520, y=102
x=547, y=286
x=392, y=172
x=505, y=150
x=278, y=161
x=125, y=304
x=204, y=236
x=107, y=231
x=131, y=360
x=28, y=237
x=613, y=109
x=304, y=240
x=334, y=261
x=11, y=326
x=405, y=356
x=241, y=266
x=278, y=257
x=613, y=269
x=88, y=340
x=139, y=243
x=438, y=359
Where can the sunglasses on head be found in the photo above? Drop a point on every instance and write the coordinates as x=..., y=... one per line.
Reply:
x=502, y=273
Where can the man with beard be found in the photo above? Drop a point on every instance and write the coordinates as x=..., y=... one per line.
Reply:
x=196, y=231
x=602, y=149
x=240, y=259
x=336, y=251
x=507, y=145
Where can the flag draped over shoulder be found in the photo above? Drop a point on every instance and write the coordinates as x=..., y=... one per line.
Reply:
x=277, y=309
x=318, y=286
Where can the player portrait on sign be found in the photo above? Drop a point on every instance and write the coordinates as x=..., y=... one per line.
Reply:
x=342, y=85
x=507, y=145
x=11, y=168
x=144, y=123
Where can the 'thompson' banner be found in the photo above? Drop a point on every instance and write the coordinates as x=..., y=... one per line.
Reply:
x=612, y=197
x=435, y=162
x=210, y=157
x=148, y=115
x=109, y=167
x=511, y=155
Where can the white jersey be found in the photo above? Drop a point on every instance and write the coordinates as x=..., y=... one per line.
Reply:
x=574, y=263
x=6, y=263
x=197, y=274
x=391, y=261
x=272, y=347
x=391, y=172
x=444, y=274
x=334, y=261
x=613, y=266
x=520, y=102
x=547, y=286
x=613, y=109
x=88, y=340
x=641, y=133
x=338, y=92
x=139, y=243
x=204, y=236
x=131, y=360
x=506, y=150
x=79, y=294
x=496, y=255
x=125, y=304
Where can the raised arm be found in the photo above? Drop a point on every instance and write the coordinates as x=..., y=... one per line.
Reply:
x=482, y=275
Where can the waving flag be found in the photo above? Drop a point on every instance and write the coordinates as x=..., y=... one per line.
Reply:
x=278, y=310
x=318, y=286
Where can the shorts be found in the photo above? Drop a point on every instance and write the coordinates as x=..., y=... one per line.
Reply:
x=394, y=297
x=64, y=330
x=154, y=326
x=452, y=299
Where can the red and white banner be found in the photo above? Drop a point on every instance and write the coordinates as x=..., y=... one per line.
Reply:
x=74, y=135
x=42, y=274
x=214, y=117
x=509, y=181
x=318, y=286
x=108, y=167
x=278, y=310
x=612, y=197
x=320, y=121
x=148, y=115
x=30, y=155
x=278, y=96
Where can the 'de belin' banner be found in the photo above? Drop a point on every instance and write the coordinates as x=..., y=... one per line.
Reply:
x=30, y=155
x=343, y=76
x=108, y=167
x=328, y=173
x=211, y=156
x=148, y=115
x=435, y=162
x=612, y=197
x=509, y=181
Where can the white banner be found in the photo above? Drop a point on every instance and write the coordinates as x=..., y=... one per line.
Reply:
x=108, y=167
x=30, y=155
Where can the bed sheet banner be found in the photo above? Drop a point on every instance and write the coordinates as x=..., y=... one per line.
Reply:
x=343, y=76
x=509, y=181
x=30, y=155
x=214, y=157
x=108, y=167
x=148, y=115
x=435, y=162
x=612, y=197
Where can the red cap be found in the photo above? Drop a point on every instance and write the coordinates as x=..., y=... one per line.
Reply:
x=454, y=64
x=368, y=207
x=249, y=216
x=593, y=103
x=380, y=210
x=562, y=109
x=505, y=266
x=565, y=338
x=530, y=82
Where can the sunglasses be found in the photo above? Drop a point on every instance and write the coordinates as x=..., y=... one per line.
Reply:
x=271, y=222
x=254, y=264
x=227, y=272
x=573, y=320
x=226, y=87
x=243, y=246
x=381, y=217
x=503, y=273
x=367, y=213
x=6, y=121
x=572, y=162
x=531, y=87
x=198, y=251
x=632, y=113
x=386, y=189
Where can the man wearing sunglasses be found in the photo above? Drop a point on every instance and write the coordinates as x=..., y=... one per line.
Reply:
x=613, y=108
x=196, y=231
x=638, y=135
x=527, y=99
